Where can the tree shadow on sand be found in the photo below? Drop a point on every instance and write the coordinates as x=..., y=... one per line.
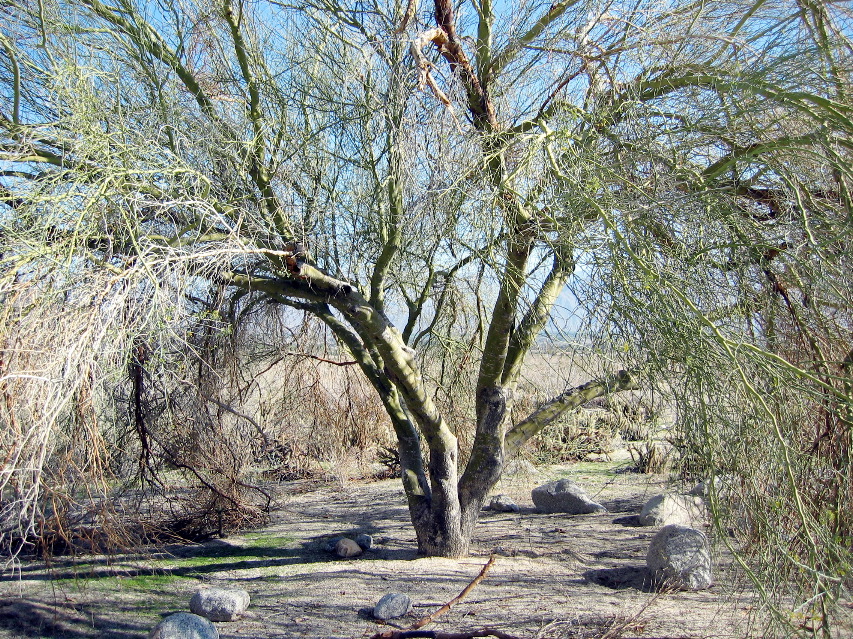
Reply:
x=622, y=578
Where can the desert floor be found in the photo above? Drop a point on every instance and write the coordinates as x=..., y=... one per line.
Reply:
x=556, y=576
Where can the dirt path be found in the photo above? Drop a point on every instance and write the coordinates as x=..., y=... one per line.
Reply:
x=556, y=576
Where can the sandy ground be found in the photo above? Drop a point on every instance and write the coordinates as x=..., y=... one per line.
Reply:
x=556, y=576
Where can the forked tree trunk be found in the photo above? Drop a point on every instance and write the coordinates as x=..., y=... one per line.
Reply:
x=445, y=515
x=445, y=522
x=437, y=516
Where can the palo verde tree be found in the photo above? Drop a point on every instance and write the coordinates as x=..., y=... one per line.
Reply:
x=678, y=170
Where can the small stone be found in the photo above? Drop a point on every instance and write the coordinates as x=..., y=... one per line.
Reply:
x=503, y=504
x=219, y=604
x=668, y=509
x=347, y=548
x=565, y=496
x=183, y=625
x=392, y=605
x=680, y=557
x=364, y=541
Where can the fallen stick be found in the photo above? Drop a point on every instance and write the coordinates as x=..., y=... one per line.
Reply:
x=432, y=634
x=423, y=621
x=412, y=631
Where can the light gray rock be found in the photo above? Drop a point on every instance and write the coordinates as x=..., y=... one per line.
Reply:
x=680, y=557
x=503, y=504
x=347, y=548
x=219, y=604
x=666, y=509
x=183, y=625
x=720, y=483
x=392, y=605
x=565, y=496
x=520, y=467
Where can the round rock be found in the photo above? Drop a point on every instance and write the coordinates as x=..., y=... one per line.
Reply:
x=680, y=557
x=502, y=504
x=671, y=509
x=347, y=548
x=219, y=604
x=183, y=625
x=392, y=605
x=565, y=496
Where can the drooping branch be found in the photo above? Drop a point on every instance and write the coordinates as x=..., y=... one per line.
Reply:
x=438, y=37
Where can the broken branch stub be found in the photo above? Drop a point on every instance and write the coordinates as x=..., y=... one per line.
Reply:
x=439, y=38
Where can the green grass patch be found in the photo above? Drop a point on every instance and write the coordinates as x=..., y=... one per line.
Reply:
x=261, y=540
x=147, y=583
x=228, y=562
x=257, y=551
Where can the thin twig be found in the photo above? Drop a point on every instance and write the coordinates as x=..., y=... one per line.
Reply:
x=320, y=359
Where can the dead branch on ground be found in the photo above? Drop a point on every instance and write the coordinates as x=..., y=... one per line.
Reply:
x=431, y=634
x=413, y=630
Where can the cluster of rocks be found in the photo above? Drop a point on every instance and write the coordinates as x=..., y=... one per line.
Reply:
x=206, y=606
x=679, y=556
x=345, y=547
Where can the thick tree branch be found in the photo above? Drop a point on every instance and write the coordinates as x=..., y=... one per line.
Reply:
x=392, y=231
x=399, y=364
x=479, y=102
x=503, y=315
x=415, y=482
x=257, y=165
x=563, y=403
x=537, y=315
